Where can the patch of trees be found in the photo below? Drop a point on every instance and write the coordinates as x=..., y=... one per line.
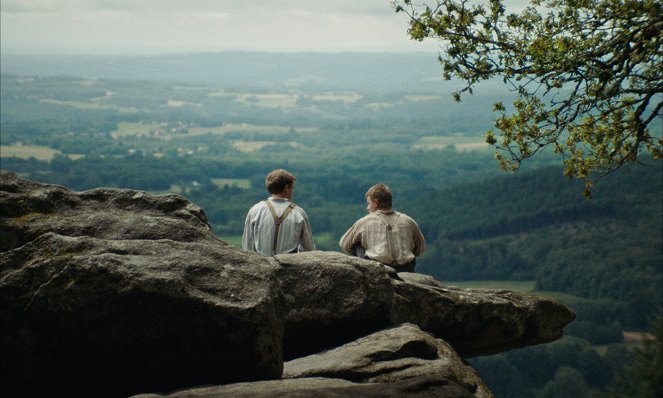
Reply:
x=570, y=367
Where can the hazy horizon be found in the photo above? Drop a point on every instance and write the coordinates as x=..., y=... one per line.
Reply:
x=145, y=27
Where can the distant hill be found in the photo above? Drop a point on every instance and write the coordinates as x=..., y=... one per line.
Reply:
x=337, y=71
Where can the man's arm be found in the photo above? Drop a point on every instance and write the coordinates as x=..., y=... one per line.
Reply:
x=306, y=239
x=247, y=236
x=351, y=236
x=419, y=240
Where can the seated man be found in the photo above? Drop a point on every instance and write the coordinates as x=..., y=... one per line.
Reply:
x=385, y=235
x=277, y=225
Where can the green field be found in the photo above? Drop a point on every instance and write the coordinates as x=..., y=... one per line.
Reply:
x=241, y=128
x=132, y=128
x=28, y=151
x=517, y=286
x=235, y=240
x=89, y=105
x=460, y=142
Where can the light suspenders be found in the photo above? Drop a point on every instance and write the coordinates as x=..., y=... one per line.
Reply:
x=278, y=220
x=389, y=234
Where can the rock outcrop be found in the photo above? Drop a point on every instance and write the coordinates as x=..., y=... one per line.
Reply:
x=117, y=292
x=330, y=297
x=417, y=387
x=390, y=355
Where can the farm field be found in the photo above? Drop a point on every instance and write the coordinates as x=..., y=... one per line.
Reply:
x=30, y=151
x=244, y=183
x=460, y=142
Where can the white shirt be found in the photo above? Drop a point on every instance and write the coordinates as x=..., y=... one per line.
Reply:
x=399, y=244
x=259, y=227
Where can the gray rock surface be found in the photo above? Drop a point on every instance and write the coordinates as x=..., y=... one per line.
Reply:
x=478, y=321
x=115, y=292
x=331, y=297
x=398, y=353
x=417, y=387
x=30, y=209
x=103, y=304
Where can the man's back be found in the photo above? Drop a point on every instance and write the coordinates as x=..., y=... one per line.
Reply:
x=260, y=227
x=387, y=236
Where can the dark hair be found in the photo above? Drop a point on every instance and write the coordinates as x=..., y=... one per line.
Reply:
x=277, y=180
x=382, y=194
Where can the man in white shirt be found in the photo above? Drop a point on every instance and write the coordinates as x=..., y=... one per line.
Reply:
x=277, y=225
x=385, y=235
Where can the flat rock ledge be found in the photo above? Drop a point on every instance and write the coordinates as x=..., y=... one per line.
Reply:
x=332, y=297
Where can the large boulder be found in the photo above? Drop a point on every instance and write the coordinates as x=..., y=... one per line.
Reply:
x=334, y=298
x=103, y=299
x=31, y=209
x=418, y=387
x=331, y=299
x=401, y=362
x=398, y=353
x=478, y=321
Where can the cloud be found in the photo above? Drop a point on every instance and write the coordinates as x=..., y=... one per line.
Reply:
x=149, y=26
x=368, y=7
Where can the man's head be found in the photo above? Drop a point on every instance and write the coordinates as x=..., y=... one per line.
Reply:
x=378, y=197
x=280, y=182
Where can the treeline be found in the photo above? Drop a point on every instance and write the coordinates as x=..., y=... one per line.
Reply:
x=538, y=226
x=570, y=367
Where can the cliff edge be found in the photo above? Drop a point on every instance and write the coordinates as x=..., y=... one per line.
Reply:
x=114, y=292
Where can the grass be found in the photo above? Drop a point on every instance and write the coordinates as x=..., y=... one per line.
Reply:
x=250, y=146
x=326, y=241
x=518, y=286
x=277, y=100
x=125, y=129
x=247, y=128
x=459, y=141
x=345, y=98
x=528, y=287
x=28, y=151
x=89, y=105
x=235, y=240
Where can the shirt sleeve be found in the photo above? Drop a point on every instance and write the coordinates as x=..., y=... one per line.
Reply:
x=306, y=239
x=247, y=236
x=419, y=240
x=351, y=236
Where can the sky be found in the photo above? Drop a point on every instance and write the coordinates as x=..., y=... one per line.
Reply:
x=184, y=26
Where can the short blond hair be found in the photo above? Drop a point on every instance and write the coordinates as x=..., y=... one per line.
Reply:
x=277, y=180
x=382, y=194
